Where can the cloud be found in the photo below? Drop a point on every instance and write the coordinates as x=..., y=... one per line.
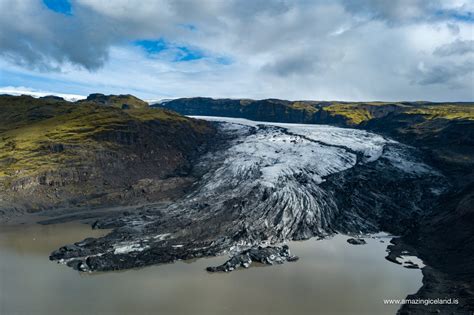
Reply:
x=293, y=65
x=45, y=40
x=453, y=28
x=452, y=75
x=395, y=12
x=308, y=61
x=458, y=47
x=322, y=49
x=412, y=11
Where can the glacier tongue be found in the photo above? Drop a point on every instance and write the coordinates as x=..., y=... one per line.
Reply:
x=275, y=170
x=270, y=178
x=268, y=183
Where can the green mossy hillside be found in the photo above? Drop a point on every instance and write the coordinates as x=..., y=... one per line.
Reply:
x=39, y=135
x=359, y=113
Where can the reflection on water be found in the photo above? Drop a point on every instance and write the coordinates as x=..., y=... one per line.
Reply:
x=331, y=277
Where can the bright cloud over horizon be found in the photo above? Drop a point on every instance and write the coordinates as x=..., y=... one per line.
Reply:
x=319, y=50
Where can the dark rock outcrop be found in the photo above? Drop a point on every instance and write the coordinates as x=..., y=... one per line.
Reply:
x=265, y=255
x=120, y=101
x=356, y=241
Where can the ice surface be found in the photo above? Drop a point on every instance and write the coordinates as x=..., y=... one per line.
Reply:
x=124, y=248
x=369, y=144
x=409, y=260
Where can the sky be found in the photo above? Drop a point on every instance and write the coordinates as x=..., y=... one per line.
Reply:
x=299, y=50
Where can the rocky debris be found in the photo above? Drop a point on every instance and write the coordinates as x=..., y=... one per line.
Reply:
x=265, y=255
x=411, y=265
x=403, y=254
x=356, y=241
x=438, y=285
x=395, y=250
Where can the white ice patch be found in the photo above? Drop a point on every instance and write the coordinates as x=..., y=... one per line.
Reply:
x=162, y=237
x=125, y=248
x=407, y=261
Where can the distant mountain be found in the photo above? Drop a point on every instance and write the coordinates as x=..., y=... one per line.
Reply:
x=316, y=112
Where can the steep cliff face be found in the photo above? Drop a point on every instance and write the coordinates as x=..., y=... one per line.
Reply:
x=272, y=110
x=345, y=114
x=59, y=154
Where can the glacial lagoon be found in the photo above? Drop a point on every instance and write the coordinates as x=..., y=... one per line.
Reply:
x=331, y=277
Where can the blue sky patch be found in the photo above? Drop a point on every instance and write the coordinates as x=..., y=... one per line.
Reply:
x=152, y=46
x=181, y=52
x=38, y=81
x=467, y=17
x=60, y=6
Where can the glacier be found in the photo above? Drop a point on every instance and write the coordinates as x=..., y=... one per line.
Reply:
x=266, y=183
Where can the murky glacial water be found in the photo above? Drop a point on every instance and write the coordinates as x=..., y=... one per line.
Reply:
x=331, y=277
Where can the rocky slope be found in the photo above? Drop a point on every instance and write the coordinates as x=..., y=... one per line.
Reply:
x=55, y=153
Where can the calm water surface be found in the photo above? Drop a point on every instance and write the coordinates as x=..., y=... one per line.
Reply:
x=331, y=277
